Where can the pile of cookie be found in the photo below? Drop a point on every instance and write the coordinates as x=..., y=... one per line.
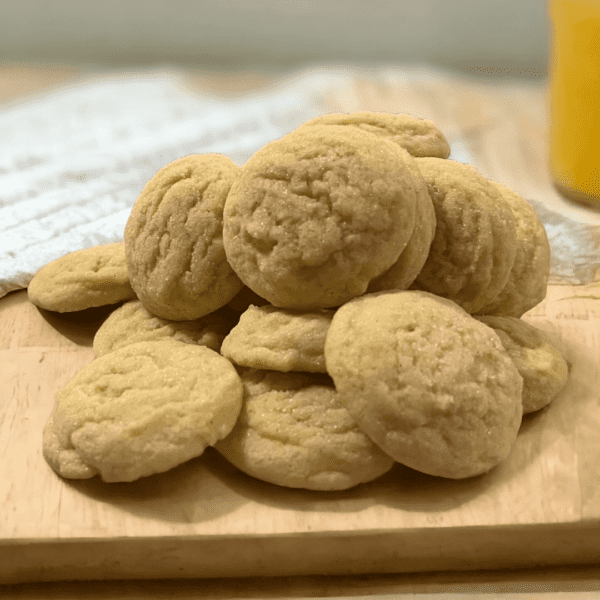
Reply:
x=348, y=299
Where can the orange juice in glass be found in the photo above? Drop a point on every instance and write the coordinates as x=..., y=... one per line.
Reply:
x=575, y=99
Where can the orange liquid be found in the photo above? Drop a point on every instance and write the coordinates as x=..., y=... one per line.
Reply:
x=575, y=98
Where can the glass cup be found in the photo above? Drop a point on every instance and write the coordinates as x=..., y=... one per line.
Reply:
x=574, y=77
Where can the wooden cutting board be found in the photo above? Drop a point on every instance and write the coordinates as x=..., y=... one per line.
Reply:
x=206, y=519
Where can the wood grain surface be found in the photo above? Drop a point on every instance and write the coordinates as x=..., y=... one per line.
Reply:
x=205, y=519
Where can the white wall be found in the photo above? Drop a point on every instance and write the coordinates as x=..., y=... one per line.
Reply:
x=467, y=34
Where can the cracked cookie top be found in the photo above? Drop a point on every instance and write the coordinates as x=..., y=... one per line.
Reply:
x=174, y=239
x=267, y=337
x=132, y=323
x=317, y=214
x=86, y=278
x=430, y=384
x=142, y=409
x=293, y=431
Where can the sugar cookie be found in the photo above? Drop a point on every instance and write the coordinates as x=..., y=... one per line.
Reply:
x=294, y=432
x=431, y=385
x=410, y=263
x=474, y=246
x=420, y=137
x=528, y=279
x=278, y=339
x=317, y=214
x=142, y=409
x=540, y=363
x=174, y=239
x=86, y=278
x=132, y=323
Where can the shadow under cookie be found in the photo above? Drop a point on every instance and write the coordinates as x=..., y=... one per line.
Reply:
x=188, y=493
x=79, y=326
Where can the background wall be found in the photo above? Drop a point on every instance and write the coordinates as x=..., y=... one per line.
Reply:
x=488, y=37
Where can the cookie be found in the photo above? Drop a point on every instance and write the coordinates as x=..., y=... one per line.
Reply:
x=420, y=137
x=294, y=432
x=319, y=213
x=408, y=266
x=542, y=365
x=278, y=339
x=528, y=279
x=431, y=385
x=174, y=239
x=132, y=323
x=142, y=409
x=86, y=278
x=474, y=247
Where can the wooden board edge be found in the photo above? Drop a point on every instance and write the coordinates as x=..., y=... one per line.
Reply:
x=408, y=551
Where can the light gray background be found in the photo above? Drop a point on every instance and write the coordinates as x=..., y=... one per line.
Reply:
x=486, y=37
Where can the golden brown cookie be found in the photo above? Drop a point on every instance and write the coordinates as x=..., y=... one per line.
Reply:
x=474, y=247
x=174, y=239
x=540, y=363
x=317, y=214
x=294, y=432
x=278, y=339
x=528, y=280
x=420, y=137
x=86, y=278
x=132, y=323
x=431, y=385
x=142, y=409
